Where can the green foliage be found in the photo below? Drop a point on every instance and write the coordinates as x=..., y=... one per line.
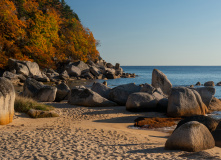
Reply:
x=24, y=104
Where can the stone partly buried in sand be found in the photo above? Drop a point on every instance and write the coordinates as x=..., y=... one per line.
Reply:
x=41, y=114
x=7, y=98
x=192, y=136
x=88, y=98
x=185, y=102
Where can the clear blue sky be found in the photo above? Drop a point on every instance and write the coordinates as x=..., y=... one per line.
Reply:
x=154, y=32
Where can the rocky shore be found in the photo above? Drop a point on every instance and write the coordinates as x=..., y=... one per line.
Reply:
x=101, y=115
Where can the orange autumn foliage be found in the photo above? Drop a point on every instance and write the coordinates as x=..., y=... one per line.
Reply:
x=41, y=31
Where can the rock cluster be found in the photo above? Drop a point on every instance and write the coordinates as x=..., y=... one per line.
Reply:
x=19, y=71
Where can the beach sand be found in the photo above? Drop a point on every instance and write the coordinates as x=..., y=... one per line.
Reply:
x=88, y=133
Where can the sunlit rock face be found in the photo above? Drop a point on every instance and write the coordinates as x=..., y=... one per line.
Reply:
x=7, y=99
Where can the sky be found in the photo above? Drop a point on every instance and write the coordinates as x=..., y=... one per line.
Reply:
x=154, y=32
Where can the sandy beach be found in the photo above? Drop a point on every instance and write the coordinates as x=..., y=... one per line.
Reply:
x=88, y=133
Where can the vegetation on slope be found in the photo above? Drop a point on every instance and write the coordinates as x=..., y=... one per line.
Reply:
x=44, y=31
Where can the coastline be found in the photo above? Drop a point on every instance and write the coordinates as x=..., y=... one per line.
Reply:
x=88, y=133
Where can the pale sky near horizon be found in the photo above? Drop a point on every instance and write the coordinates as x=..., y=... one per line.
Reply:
x=154, y=32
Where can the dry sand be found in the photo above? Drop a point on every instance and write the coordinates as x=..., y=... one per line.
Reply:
x=88, y=133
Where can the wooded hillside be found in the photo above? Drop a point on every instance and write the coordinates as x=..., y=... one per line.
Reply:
x=44, y=31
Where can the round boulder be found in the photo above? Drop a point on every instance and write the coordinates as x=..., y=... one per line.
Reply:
x=88, y=98
x=209, y=122
x=192, y=136
x=185, y=102
x=141, y=101
x=209, y=83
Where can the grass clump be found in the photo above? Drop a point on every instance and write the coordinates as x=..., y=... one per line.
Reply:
x=24, y=104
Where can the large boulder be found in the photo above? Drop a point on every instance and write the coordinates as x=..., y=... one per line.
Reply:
x=110, y=73
x=209, y=122
x=28, y=69
x=62, y=92
x=192, y=136
x=160, y=80
x=185, y=102
x=206, y=93
x=101, y=89
x=73, y=71
x=7, y=98
x=38, y=91
x=88, y=98
x=216, y=135
x=82, y=66
x=95, y=71
x=215, y=104
x=64, y=75
x=14, y=78
x=209, y=83
x=120, y=93
x=141, y=101
x=147, y=88
x=46, y=94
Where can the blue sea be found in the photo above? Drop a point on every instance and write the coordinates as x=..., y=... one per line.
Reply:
x=178, y=75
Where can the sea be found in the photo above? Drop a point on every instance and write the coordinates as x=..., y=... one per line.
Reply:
x=178, y=76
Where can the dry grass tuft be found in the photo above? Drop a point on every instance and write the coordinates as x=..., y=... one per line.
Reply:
x=24, y=104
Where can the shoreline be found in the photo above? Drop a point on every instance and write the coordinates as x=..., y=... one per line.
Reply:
x=88, y=133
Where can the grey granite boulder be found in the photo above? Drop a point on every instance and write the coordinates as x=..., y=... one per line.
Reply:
x=95, y=71
x=14, y=78
x=215, y=104
x=209, y=83
x=206, y=93
x=7, y=99
x=192, y=136
x=38, y=91
x=101, y=89
x=160, y=80
x=88, y=98
x=73, y=71
x=28, y=69
x=147, y=88
x=185, y=102
x=46, y=94
x=64, y=75
x=209, y=122
x=82, y=66
x=120, y=93
x=62, y=92
x=217, y=135
x=141, y=101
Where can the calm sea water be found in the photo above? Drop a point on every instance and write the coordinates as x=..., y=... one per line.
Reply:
x=178, y=76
